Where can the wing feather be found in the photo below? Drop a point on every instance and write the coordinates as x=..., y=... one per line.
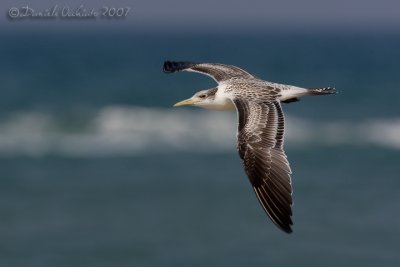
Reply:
x=219, y=72
x=260, y=145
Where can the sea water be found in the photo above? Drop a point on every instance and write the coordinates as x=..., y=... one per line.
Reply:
x=98, y=169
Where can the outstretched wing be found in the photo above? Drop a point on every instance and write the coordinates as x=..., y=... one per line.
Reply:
x=219, y=72
x=260, y=145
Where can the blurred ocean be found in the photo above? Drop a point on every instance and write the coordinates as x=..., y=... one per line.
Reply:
x=97, y=168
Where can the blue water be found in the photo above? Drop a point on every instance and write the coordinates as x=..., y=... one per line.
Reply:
x=85, y=185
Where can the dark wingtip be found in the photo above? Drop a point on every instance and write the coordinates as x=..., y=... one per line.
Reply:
x=287, y=229
x=174, y=66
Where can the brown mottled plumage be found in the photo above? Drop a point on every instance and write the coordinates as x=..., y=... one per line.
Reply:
x=260, y=129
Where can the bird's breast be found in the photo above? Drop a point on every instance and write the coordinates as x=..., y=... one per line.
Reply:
x=222, y=100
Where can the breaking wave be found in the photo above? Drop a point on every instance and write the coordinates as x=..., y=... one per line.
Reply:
x=119, y=130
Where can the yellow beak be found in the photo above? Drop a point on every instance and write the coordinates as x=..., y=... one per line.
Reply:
x=185, y=102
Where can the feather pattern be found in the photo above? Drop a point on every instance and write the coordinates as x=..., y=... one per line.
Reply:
x=260, y=145
x=219, y=72
x=260, y=134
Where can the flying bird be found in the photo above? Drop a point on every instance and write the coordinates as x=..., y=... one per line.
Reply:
x=260, y=129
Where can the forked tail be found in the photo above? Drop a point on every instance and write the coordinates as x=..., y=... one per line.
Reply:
x=321, y=91
x=293, y=94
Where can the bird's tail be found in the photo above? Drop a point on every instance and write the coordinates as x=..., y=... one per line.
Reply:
x=297, y=92
x=321, y=91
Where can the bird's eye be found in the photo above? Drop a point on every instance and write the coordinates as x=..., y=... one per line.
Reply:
x=202, y=96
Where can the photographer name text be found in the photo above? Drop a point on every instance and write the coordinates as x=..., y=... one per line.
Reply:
x=67, y=12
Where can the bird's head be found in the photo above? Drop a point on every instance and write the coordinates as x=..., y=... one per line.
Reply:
x=204, y=99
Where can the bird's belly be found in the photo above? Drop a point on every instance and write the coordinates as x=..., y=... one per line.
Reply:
x=292, y=92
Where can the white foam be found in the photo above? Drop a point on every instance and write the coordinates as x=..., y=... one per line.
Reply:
x=136, y=130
